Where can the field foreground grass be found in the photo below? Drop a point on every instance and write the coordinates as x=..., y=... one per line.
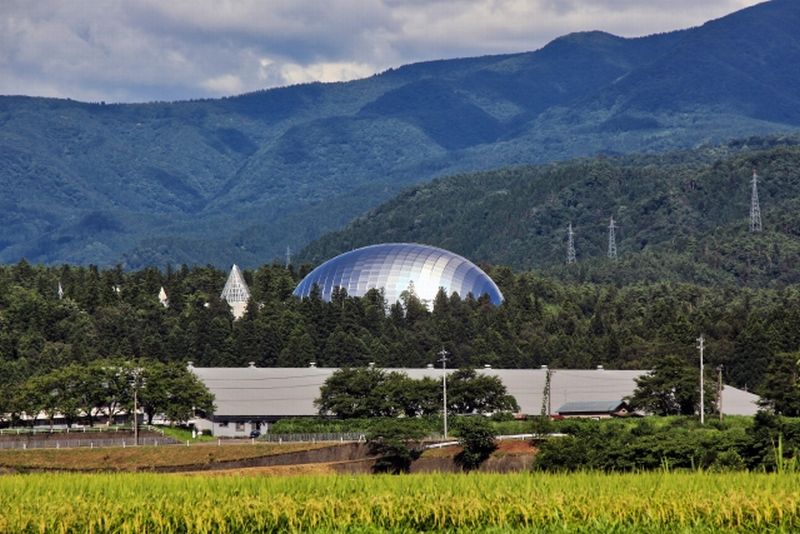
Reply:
x=584, y=502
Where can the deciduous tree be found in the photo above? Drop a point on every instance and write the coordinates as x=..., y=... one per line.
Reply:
x=672, y=388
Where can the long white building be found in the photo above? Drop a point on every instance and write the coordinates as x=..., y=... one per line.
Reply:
x=247, y=398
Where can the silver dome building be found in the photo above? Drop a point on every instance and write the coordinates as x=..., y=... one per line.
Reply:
x=394, y=267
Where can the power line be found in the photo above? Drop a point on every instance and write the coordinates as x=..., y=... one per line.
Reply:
x=267, y=388
x=260, y=399
x=236, y=379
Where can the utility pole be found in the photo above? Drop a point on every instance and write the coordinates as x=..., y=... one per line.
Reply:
x=546, y=404
x=612, y=240
x=136, y=415
x=443, y=353
x=136, y=383
x=755, y=209
x=570, y=246
x=719, y=391
x=701, y=345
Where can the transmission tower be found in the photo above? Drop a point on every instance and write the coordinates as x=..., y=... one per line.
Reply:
x=570, y=245
x=612, y=240
x=755, y=209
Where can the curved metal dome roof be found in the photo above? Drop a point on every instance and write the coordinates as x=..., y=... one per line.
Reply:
x=394, y=267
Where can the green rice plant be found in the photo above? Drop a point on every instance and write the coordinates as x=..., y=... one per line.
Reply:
x=782, y=463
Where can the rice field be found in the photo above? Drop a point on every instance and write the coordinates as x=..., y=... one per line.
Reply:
x=583, y=502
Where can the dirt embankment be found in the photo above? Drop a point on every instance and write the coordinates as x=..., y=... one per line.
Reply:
x=511, y=456
x=348, y=458
x=163, y=458
x=347, y=452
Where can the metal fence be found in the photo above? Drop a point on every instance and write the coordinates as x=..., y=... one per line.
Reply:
x=38, y=431
x=86, y=437
x=106, y=440
x=85, y=443
x=313, y=437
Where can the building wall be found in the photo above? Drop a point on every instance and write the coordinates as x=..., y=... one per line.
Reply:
x=229, y=428
x=290, y=392
x=603, y=415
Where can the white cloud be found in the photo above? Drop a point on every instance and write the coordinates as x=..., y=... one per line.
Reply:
x=226, y=84
x=325, y=72
x=157, y=50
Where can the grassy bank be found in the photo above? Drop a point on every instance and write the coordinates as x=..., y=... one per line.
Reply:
x=582, y=502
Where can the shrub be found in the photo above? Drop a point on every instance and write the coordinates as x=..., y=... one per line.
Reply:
x=729, y=460
x=476, y=437
x=397, y=442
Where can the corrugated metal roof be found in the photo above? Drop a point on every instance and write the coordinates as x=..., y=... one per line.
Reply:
x=591, y=407
x=290, y=391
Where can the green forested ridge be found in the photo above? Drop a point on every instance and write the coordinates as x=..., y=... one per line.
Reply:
x=752, y=332
x=682, y=217
x=240, y=178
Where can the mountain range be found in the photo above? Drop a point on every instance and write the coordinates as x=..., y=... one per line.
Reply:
x=239, y=179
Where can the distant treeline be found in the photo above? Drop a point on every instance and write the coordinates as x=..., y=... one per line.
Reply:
x=116, y=314
x=763, y=443
x=682, y=217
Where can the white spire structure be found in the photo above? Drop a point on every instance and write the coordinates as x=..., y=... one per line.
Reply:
x=570, y=246
x=162, y=297
x=236, y=293
x=612, y=240
x=755, y=209
x=288, y=256
x=60, y=291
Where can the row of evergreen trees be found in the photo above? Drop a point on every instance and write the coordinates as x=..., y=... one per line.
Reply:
x=116, y=314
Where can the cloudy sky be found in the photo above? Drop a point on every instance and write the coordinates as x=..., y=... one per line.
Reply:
x=142, y=50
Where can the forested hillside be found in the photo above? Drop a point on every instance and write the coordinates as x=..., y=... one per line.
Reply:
x=682, y=217
x=240, y=178
x=543, y=321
